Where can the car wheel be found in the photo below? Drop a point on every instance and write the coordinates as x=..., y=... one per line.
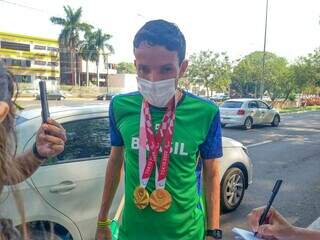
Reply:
x=44, y=235
x=276, y=121
x=247, y=123
x=223, y=125
x=232, y=189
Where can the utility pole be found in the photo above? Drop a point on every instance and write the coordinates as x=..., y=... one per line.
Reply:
x=264, y=52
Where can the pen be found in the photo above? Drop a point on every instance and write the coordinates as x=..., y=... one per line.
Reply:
x=266, y=210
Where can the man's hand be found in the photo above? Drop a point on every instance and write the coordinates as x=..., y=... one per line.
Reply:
x=51, y=138
x=277, y=227
x=103, y=233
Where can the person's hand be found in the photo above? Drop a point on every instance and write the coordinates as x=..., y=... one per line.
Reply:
x=103, y=233
x=277, y=227
x=51, y=138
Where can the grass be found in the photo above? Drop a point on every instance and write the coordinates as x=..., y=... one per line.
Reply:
x=300, y=109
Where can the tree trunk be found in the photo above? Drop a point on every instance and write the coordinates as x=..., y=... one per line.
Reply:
x=97, y=63
x=87, y=72
x=74, y=66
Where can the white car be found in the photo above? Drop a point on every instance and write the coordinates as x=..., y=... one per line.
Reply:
x=64, y=194
x=247, y=112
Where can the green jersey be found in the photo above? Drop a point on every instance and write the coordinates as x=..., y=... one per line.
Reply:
x=197, y=131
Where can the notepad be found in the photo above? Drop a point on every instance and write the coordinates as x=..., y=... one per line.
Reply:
x=244, y=235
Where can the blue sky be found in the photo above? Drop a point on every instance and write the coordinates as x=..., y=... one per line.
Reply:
x=234, y=26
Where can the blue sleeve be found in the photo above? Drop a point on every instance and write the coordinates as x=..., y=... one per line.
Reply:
x=212, y=146
x=115, y=135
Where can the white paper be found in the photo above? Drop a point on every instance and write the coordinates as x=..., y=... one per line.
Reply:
x=244, y=235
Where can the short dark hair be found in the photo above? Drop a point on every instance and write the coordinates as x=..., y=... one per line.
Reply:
x=162, y=33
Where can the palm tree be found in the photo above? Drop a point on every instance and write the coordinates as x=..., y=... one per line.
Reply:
x=69, y=37
x=101, y=46
x=87, y=51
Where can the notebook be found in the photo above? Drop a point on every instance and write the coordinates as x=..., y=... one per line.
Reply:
x=244, y=235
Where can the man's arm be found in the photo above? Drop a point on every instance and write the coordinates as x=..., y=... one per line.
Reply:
x=112, y=179
x=212, y=192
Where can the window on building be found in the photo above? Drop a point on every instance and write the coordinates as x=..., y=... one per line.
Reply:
x=41, y=63
x=41, y=77
x=52, y=49
x=23, y=78
x=39, y=47
x=52, y=64
x=15, y=46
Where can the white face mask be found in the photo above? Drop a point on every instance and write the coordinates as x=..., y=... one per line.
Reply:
x=157, y=93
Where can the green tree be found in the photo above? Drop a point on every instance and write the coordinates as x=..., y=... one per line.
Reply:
x=210, y=70
x=125, y=67
x=101, y=47
x=69, y=37
x=87, y=51
x=247, y=76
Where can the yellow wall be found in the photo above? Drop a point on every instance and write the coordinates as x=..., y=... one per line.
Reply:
x=48, y=56
x=28, y=39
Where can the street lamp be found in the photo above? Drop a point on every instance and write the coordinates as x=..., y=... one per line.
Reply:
x=264, y=52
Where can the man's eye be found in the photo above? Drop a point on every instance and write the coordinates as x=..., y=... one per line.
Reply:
x=166, y=70
x=144, y=70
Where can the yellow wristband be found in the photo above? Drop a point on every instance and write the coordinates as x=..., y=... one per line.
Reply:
x=103, y=224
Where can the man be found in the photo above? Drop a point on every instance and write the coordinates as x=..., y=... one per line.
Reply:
x=278, y=227
x=160, y=131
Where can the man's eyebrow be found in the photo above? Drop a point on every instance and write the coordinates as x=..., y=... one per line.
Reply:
x=142, y=65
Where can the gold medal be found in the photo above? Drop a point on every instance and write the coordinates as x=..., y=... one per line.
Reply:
x=160, y=200
x=141, y=197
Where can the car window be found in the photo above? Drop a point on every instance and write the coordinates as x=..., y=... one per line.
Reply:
x=263, y=105
x=87, y=139
x=253, y=104
x=232, y=104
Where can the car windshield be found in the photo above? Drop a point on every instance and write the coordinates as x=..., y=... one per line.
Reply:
x=232, y=104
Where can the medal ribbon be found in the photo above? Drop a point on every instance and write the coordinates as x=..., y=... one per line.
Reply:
x=165, y=133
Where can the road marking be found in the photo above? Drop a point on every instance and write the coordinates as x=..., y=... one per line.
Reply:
x=258, y=144
x=300, y=129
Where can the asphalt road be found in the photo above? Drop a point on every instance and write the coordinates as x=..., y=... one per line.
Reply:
x=290, y=152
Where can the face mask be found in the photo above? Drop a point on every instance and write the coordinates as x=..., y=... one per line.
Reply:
x=157, y=93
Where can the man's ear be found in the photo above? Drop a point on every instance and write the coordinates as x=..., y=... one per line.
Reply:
x=4, y=110
x=183, y=68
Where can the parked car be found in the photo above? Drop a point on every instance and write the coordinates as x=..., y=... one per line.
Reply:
x=247, y=112
x=66, y=191
x=52, y=95
x=105, y=96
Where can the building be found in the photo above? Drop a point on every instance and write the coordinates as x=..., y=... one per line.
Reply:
x=30, y=58
x=122, y=83
x=106, y=69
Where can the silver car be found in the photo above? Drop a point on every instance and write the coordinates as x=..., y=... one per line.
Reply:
x=64, y=194
x=248, y=112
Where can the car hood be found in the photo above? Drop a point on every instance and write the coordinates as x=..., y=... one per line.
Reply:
x=229, y=143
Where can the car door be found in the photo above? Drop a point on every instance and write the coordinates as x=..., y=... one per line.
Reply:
x=266, y=113
x=254, y=112
x=72, y=182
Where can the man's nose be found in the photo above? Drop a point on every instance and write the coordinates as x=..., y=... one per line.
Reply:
x=154, y=76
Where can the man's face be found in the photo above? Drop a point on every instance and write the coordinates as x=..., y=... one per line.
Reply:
x=156, y=63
